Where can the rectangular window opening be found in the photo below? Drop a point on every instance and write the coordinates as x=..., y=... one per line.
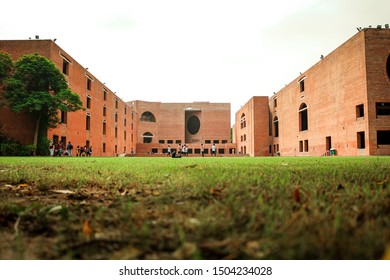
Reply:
x=383, y=137
x=104, y=128
x=383, y=109
x=303, y=120
x=65, y=67
x=276, y=128
x=361, y=140
x=302, y=85
x=360, y=111
x=88, y=102
x=328, y=143
x=89, y=83
x=64, y=117
x=88, y=122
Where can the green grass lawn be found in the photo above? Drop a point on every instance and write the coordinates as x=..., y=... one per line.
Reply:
x=194, y=208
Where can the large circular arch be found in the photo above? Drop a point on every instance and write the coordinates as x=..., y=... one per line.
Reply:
x=193, y=125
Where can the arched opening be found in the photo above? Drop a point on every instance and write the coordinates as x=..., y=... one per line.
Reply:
x=147, y=137
x=147, y=117
x=193, y=125
x=276, y=127
x=388, y=66
x=303, y=119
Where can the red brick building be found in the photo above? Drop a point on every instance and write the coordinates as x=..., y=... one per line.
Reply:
x=341, y=103
x=173, y=124
x=252, y=127
x=107, y=124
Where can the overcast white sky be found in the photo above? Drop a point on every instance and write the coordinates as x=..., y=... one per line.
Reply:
x=203, y=50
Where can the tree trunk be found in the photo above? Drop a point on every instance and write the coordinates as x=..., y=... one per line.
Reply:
x=36, y=133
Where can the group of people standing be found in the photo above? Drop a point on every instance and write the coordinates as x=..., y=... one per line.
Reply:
x=183, y=151
x=61, y=149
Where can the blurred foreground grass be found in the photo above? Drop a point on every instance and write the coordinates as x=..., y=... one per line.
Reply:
x=194, y=208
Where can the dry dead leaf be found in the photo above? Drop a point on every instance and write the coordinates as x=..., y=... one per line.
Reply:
x=185, y=252
x=254, y=249
x=194, y=221
x=216, y=244
x=124, y=192
x=297, y=194
x=63, y=191
x=54, y=209
x=215, y=191
x=127, y=253
x=87, y=230
x=386, y=255
x=381, y=182
x=156, y=193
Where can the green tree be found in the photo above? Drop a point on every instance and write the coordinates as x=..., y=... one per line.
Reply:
x=37, y=87
x=6, y=67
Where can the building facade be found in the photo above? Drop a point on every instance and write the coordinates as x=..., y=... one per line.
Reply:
x=163, y=125
x=339, y=106
x=252, y=127
x=106, y=125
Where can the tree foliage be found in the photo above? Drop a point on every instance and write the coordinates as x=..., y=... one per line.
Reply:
x=37, y=87
x=6, y=67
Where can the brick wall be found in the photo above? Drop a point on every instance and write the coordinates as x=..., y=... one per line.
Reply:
x=352, y=75
x=74, y=129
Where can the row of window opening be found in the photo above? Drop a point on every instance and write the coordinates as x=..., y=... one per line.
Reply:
x=149, y=137
x=196, y=151
x=65, y=70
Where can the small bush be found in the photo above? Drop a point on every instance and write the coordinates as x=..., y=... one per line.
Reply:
x=10, y=147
